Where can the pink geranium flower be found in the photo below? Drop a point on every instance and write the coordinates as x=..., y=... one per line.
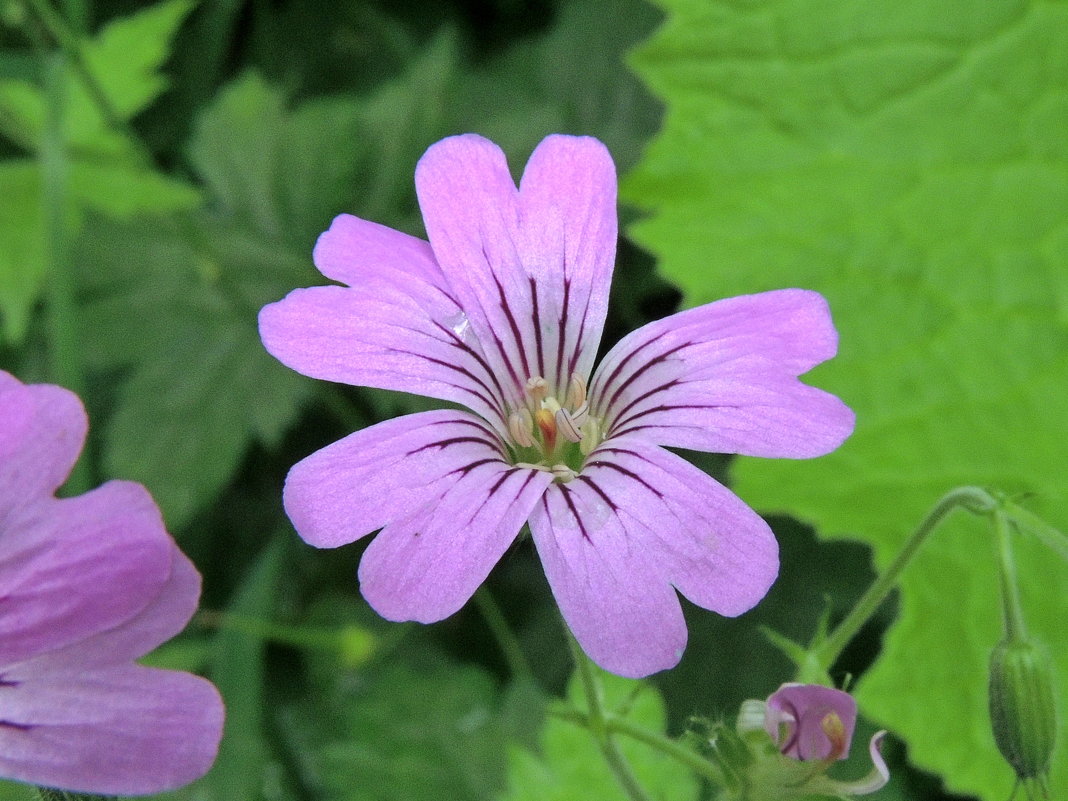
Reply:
x=501, y=312
x=87, y=585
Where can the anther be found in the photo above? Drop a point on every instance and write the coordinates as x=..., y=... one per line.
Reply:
x=581, y=414
x=576, y=392
x=537, y=388
x=521, y=427
x=567, y=426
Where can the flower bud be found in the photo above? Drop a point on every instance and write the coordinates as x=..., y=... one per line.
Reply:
x=1022, y=712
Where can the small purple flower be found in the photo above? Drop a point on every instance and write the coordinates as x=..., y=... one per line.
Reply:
x=501, y=312
x=813, y=723
x=88, y=584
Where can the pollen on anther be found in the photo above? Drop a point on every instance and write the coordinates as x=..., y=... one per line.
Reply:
x=567, y=427
x=576, y=392
x=521, y=427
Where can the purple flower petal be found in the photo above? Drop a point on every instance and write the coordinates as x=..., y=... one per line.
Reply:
x=42, y=434
x=722, y=378
x=636, y=521
x=797, y=715
x=386, y=472
x=429, y=565
x=396, y=327
x=75, y=567
x=531, y=267
x=120, y=730
x=164, y=617
x=438, y=483
x=87, y=584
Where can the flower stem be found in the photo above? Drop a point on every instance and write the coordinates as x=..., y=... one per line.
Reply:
x=518, y=665
x=1015, y=629
x=973, y=499
x=62, y=312
x=615, y=724
x=599, y=728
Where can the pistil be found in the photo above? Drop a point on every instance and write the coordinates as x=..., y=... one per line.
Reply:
x=552, y=428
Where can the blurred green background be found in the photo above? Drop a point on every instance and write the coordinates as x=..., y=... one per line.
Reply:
x=907, y=159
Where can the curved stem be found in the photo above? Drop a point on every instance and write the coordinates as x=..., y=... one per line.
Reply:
x=1010, y=590
x=974, y=499
x=598, y=726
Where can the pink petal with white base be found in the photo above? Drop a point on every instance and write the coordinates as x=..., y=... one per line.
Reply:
x=635, y=522
x=427, y=566
x=387, y=472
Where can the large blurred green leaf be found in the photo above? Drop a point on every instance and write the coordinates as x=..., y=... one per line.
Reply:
x=908, y=160
x=124, y=60
x=570, y=764
x=402, y=732
x=104, y=170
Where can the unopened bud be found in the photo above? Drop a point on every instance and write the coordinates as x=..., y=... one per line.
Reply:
x=1021, y=707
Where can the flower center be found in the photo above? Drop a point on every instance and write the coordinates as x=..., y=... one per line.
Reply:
x=550, y=435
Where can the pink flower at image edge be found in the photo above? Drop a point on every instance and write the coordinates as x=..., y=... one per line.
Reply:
x=501, y=312
x=88, y=584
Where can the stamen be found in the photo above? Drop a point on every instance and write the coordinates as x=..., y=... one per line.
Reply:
x=567, y=427
x=576, y=391
x=832, y=726
x=562, y=472
x=537, y=388
x=521, y=427
x=581, y=414
x=591, y=436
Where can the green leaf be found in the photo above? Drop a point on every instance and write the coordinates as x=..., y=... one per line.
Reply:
x=202, y=387
x=124, y=58
x=907, y=160
x=569, y=79
x=305, y=163
x=401, y=732
x=570, y=764
x=104, y=171
x=21, y=245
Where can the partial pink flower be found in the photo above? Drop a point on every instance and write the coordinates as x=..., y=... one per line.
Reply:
x=501, y=312
x=813, y=723
x=88, y=584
